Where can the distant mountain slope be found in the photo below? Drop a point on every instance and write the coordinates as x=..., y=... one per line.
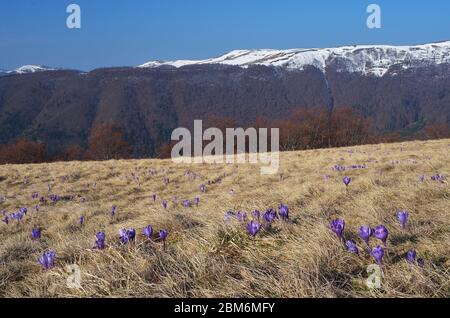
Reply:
x=60, y=106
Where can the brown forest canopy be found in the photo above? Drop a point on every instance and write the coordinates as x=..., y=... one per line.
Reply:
x=306, y=128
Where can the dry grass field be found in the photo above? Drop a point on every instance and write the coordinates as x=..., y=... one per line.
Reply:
x=207, y=257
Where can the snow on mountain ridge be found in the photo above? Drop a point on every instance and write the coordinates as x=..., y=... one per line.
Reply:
x=26, y=69
x=366, y=59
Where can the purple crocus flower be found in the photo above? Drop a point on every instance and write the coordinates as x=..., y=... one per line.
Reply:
x=54, y=198
x=81, y=220
x=127, y=236
x=381, y=233
x=154, y=197
x=202, y=188
x=403, y=218
x=148, y=231
x=16, y=216
x=164, y=204
x=422, y=178
x=438, y=177
x=228, y=216
x=187, y=203
x=351, y=247
x=37, y=207
x=338, y=226
x=34, y=195
x=163, y=234
x=113, y=210
x=196, y=201
x=5, y=219
x=253, y=228
x=378, y=253
x=269, y=216
x=365, y=232
x=411, y=256
x=256, y=215
x=47, y=259
x=100, y=240
x=347, y=181
x=35, y=234
x=241, y=216
x=23, y=211
x=284, y=211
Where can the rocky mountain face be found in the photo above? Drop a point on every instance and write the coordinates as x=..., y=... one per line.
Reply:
x=400, y=89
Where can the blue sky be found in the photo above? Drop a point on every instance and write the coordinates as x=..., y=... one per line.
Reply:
x=131, y=32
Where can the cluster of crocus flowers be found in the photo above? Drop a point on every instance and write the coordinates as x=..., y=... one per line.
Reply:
x=54, y=198
x=47, y=260
x=438, y=177
x=338, y=168
x=127, y=235
x=18, y=215
x=356, y=167
x=381, y=233
x=268, y=217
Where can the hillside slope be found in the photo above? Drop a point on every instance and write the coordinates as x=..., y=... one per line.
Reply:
x=205, y=256
x=60, y=107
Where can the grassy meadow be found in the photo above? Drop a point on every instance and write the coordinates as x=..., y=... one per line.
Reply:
x=204, y=256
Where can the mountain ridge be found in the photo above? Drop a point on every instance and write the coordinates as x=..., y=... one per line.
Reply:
x=364, y=59
x=375, y=60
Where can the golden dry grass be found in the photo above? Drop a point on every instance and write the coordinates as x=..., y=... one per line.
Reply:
x=207, y=258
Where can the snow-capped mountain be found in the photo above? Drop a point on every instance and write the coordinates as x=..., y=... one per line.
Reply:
x=26, y=69
x=374, y=60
